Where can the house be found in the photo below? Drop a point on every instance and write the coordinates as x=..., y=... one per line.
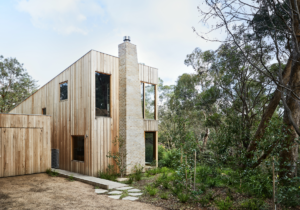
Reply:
x=93, y=101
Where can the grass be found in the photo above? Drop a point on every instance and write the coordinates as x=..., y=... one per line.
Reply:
x=164, y=196
x=71, y=178
x=124, y=194
x=51, y=173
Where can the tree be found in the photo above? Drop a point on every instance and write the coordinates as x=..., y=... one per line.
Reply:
x=272, y=28
x=15, y=84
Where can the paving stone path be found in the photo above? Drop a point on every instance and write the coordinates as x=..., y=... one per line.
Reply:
x=116, y=193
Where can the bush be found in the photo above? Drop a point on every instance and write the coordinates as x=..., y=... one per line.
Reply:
x=183, y=197
x=130, y=179
x=168, y=158
x=164, y=196
x=252, y=204
x=109, y=173
x=224, y=204
x=151, y=190
x=138, y=172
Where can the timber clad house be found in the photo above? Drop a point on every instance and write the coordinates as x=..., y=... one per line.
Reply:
x=96, y=99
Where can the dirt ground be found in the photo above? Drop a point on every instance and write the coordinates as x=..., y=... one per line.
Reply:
x=40, y=191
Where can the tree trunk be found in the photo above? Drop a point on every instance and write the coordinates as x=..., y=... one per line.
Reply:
x=267, y=115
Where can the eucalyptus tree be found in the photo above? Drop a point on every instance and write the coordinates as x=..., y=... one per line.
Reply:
x=15, y=83
x=272, y=28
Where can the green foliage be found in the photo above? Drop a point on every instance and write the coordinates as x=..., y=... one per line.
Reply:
x=120, y=156
x=151, y=190
x=51, y=172
x=164, y=196
x=16, y=84
x=168, y=158
x=289, y=195
x=109, y=173
x=124, y=194
x=224, y=204
x=138, y=172
x=71, y=178
x=130, y=179
x=183, y=197
x=253, y=204
x=207, y=199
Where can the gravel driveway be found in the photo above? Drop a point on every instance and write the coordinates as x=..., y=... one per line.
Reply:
x=40, y=191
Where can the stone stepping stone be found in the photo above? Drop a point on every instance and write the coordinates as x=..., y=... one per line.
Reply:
x=135, y=194
x=100, y=191
x=115, y=192
x=122, y=179
x=129, y=198
x=115, y=197
x=124, y=188
x=134, y=190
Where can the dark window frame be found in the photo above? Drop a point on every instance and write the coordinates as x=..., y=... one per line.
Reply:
x=73, y=149
x=43, y=111
x=154, y=145
x=110, y=100
x=155, y=101
x=60, y=90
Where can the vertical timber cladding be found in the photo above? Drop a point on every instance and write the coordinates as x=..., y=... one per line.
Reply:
x=105, y=129
x=25, y=144
x=69, y=117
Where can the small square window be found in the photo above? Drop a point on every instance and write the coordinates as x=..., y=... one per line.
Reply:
x=63, y=91
x=44, y=111
x=78, y=148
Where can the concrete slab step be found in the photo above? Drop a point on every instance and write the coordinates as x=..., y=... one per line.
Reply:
x=102, y=183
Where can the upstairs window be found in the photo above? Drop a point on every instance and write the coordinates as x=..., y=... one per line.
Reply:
x=148, y=101
x=78, y=148
x=63, y=91
x=102, y=94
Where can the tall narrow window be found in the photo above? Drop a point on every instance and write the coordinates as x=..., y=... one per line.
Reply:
x=149, y=101
x=78, y=148
x=63, y=91
x=142, y=98
x=102, y=93
x=149, y=146
x=44, y=111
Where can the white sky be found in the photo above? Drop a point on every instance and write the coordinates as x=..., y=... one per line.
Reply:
x=49, y=35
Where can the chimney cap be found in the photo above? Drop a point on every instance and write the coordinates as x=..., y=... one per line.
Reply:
x=126, y=38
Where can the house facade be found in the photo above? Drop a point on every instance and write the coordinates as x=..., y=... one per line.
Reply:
x=95, y=100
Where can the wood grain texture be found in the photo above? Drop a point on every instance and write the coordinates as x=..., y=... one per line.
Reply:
x=150, y=125
x=76, y=115
x=25, y=146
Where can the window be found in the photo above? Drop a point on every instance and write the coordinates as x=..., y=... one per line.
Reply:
x=148, y=101
x=63, y=91
x=142, y=98
x=149, y=146
x=102, y=94
x=78, y=148
x=44, y=111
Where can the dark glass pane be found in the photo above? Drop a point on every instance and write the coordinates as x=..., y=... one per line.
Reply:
x=142, y=98
x=149, y=101
x=149, y=139
x=102, y=93
x=78, y=148
x=64, y=91
x=44, y=111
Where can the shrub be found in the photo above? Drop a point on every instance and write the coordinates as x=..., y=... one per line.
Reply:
x=168, y=158
x=130, y=179
x=224, y=204
x=151, y=190
x=109, y=173
x=164, y=196
x=207, y=199
x=138, y=172
x=252, y=204
x=183, y=197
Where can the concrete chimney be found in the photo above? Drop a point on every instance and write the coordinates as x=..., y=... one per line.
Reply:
x=131, y=125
